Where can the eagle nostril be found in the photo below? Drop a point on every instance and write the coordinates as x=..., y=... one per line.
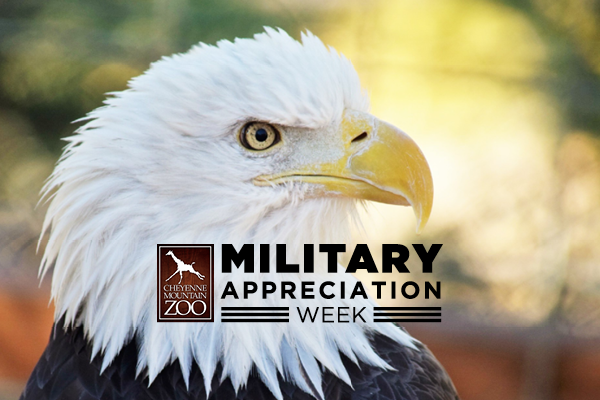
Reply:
x=360, y=137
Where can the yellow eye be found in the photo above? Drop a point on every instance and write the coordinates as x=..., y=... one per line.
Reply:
x=259, y=136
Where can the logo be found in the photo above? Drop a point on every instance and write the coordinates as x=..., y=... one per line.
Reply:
x=186, y=284
x=189, y=298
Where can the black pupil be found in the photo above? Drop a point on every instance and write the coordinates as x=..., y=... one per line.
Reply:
x=261, y=135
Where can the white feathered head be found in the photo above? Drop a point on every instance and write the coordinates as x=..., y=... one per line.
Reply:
x=263, y=140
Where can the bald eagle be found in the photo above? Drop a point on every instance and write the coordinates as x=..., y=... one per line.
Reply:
x=265, y=140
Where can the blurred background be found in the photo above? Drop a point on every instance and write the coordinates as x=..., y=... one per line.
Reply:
x=503, y=96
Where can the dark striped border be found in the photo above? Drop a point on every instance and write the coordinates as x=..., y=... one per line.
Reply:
x=248, y=314
x=381, y=314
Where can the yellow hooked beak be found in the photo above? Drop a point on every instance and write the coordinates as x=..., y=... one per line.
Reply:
x=378, y=162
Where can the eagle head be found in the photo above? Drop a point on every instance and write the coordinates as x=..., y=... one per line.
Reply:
x=262, y=140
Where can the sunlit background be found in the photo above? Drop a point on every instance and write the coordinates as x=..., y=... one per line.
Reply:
x=502, y=96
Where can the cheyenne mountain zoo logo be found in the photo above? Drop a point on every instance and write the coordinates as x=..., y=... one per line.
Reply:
x=186, y=284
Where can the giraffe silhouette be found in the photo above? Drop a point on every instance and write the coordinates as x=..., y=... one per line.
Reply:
x=181, y=267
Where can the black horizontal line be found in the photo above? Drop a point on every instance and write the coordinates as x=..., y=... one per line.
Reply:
x=407, y=320
x=406, y=308
x=258, y=314
x=254, y=320
x=409, y=314
x=255, y=308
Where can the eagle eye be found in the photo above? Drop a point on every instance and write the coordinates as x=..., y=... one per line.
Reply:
x=259, y=136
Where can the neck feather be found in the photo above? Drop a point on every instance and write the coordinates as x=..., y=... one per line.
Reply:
x=105, y=280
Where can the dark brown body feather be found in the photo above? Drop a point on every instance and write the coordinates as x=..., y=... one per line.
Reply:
x=65, y=372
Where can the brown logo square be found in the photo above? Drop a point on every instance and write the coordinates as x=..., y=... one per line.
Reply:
x=185, y=283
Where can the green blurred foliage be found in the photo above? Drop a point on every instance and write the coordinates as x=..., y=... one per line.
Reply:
x=59, y=58
x=572, y=30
